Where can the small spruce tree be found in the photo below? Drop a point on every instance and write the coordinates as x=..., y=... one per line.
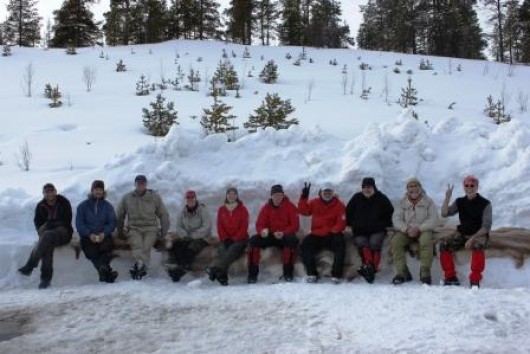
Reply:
x=55, y=96
x=217, y=118
x=160, y=119
x=269, y=74
x=193, y=78
x=408, y=95
x=273, y=112
x=6, y=50
x=142, y=86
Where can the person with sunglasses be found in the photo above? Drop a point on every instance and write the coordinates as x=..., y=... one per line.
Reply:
x=145, y=210
x=193, y=230
x=475, y=215
x=53, y=221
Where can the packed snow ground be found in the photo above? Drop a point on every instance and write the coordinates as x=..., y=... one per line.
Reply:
x=341, y=138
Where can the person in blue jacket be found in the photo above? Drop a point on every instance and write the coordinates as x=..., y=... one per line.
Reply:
x=95, y=222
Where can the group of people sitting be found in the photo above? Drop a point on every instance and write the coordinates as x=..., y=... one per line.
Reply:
x=141, y=218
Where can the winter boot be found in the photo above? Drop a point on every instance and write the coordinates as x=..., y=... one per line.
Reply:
x=176, y=273
x=138, y=270
x=400, y=279
x=425, y=275
x=111, y=276
x=452, y=281
x=367, y=271
x=213, y=272
x=44, y=284
x=311, y=279
x=288, y=270
x=103, y=272
x=426, y=280
x=222, y=278
x=25, y=270
x=253, y=271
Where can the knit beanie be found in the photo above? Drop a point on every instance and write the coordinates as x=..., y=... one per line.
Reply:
x=97, y=184
x=277, y=188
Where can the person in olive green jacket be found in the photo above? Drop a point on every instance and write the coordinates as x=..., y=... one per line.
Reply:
x=193, y=231
x=414, y=219
x=144, y=210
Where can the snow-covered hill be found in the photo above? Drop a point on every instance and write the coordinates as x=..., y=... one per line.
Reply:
x=341, y=138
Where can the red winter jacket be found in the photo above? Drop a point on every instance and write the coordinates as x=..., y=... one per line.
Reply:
x=327, y=217
x=282, y=218
x=233, y=224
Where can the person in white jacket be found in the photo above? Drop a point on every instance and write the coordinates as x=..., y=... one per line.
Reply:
x=414, y=219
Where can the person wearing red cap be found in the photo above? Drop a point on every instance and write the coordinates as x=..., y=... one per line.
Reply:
x=232, y=228
x=327, y=226
x=95, y=221
x=145, y=210
x=193, y=231
x=475, y=215
x=53, y=221
x=276, y=226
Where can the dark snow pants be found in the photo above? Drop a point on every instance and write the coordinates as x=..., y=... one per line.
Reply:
x=288, y=244
x=311, y=245
x=43, y=250
x=100, y=254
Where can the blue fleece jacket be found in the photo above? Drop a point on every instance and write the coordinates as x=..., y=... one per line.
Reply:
x=95, y=216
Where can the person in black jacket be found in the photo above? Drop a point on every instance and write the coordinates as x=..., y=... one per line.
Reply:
x=368, y=214
x=475, y=216
x=53, y=221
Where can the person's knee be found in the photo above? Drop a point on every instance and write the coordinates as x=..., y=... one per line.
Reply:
x=360, y=241
x=290, y=241
x=446, y=245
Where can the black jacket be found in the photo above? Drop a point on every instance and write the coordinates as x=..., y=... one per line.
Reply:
x=369, y=215
x=59, y=214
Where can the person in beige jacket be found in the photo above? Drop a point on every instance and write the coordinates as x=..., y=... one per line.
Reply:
x=414, y=219
x=192, y=233
x=144, y=210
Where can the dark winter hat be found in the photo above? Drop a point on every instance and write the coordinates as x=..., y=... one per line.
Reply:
x=368, y=182
x=98, y=184
x=190, y=194
x=48, y=187
x=232, y=189
x=140, y=178
x=277, y=188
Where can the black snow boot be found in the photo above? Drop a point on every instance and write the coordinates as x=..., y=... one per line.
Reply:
x=138, y=271
x=367, y=272
x=452, y=281
x=176, y=273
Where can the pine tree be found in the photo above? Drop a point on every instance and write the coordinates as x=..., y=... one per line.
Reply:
x=226, y=75
x=74, y=25
x=240, y=21
x=217, y=118
x=23, y=22
x=291, y=26
x=269, y=74
x=408, y=95
x=324, y=28
x=160, y=119
x=118, y=22
x=496, y=9
x=265, y=13
x=273, y=112
x=524, y=18
x=142, y=86
x=513, y=34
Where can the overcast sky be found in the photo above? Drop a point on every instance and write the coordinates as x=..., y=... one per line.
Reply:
x=350, y=10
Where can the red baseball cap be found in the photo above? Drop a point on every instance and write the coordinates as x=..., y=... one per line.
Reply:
x=190, y=194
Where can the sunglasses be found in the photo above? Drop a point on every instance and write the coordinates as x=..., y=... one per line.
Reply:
x=469, y=185
x=367, y=186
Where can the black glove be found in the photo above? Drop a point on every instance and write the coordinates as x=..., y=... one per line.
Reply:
x=305, y=190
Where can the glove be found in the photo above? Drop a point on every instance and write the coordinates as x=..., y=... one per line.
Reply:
x=264, y=232
x=305, y=190
x=168, y=243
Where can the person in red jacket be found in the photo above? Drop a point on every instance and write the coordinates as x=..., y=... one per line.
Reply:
x=276, y=226
x=232, y=228
x=327, y=226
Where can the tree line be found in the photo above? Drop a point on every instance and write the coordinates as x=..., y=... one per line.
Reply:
x=431, y=27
